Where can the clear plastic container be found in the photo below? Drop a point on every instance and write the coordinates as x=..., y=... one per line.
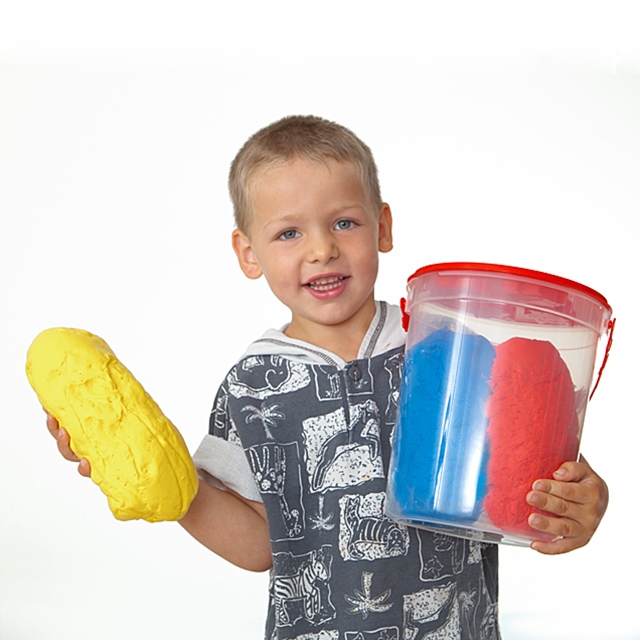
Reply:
x=498, y=370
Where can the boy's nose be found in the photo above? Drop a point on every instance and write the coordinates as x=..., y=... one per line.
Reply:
x=322, y=248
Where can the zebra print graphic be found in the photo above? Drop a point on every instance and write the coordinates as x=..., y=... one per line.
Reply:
x=300, y=587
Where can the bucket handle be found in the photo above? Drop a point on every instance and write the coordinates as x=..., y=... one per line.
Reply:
x=610, y=327
x=405, y=315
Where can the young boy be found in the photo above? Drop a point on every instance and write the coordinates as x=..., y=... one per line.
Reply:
x=293, y=471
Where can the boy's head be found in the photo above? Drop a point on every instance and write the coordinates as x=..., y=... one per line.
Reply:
x=310, y=220
x=307, y=138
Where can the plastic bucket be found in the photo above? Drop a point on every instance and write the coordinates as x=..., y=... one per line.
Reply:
x=498, y=370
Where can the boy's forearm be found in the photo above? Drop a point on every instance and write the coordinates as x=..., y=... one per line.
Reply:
x=231, y=526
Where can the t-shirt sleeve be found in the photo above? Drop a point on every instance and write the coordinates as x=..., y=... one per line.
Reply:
x=220, y=459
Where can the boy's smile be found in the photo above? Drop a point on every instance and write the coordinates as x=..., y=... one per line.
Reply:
x=315, y=236
x=324, y=288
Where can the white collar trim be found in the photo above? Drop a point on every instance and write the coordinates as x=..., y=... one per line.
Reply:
x=384, y=333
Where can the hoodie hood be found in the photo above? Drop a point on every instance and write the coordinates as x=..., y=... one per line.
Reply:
x=385, y=332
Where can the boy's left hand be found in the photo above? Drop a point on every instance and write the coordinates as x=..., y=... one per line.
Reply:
x=574, y=502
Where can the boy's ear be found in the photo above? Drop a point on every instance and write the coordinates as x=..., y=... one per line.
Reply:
x=385, y=224
x=246, y=257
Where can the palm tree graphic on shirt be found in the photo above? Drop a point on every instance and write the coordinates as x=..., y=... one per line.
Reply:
x=268, y=415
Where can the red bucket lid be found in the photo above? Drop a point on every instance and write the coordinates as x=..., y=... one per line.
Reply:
x=514, y=271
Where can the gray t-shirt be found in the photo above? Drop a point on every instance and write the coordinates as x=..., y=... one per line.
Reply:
x=315, y=433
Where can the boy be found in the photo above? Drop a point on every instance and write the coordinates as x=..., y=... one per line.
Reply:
x=293, y=471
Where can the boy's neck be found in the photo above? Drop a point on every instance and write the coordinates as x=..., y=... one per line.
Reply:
x=343, y=339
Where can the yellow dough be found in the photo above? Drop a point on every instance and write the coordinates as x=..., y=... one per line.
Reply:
x=138, y=458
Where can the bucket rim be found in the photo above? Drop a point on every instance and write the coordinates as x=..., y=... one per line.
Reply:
x=514, y=271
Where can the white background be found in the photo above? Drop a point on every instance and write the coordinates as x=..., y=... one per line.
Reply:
x=502, y=135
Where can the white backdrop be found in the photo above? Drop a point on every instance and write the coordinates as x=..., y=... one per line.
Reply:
x=500, y=137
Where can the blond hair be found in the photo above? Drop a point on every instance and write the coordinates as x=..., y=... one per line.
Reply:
x=306, y=137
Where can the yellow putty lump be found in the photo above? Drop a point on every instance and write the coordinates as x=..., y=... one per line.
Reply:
x=138, y=458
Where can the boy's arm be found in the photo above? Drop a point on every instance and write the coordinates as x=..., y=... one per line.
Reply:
x=223, y=521
x=231, y=526
x=577, y=498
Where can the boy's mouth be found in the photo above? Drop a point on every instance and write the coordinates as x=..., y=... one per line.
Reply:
x=326, y=284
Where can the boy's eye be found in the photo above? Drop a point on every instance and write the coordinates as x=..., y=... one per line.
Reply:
x=289, y=234
x=344, y=224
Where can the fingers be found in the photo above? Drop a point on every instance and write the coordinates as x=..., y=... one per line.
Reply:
x=584, y=497
x=64, y=446
x=555, y=547
x=563, y=499
x=62, y=438
x=84, y=468
x=52, y=424
x=567, y=534
x=573, y=503
x=574, y=471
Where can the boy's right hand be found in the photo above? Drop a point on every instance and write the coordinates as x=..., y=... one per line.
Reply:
x=63, y=440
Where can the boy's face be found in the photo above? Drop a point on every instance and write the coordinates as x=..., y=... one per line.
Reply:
x=315, y=237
